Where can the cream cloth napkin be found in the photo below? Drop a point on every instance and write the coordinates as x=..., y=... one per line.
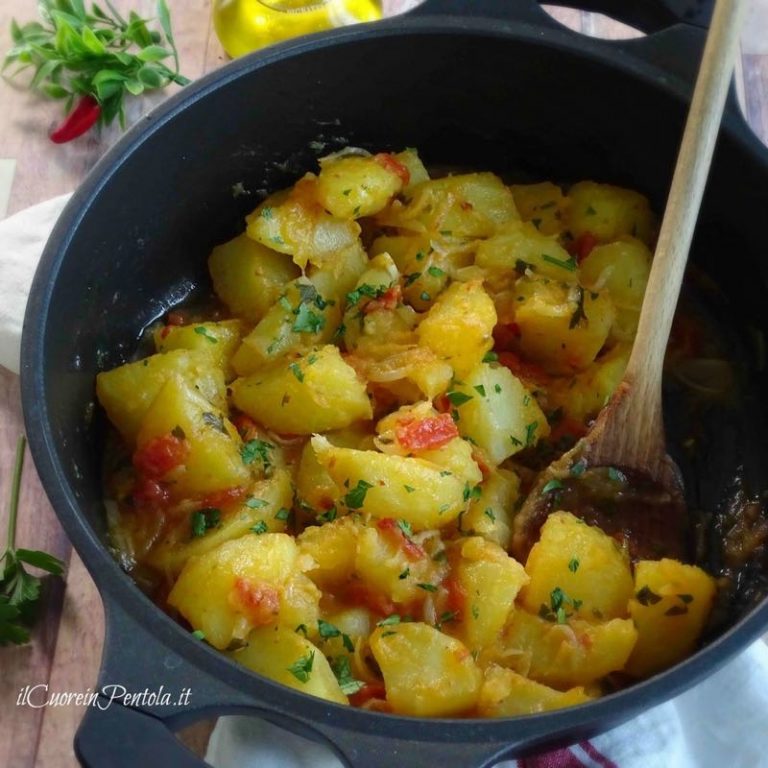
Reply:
x=722, y=723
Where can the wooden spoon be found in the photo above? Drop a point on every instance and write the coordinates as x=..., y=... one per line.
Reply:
x=629, y=432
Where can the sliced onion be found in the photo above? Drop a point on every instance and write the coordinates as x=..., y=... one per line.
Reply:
x=345, y=152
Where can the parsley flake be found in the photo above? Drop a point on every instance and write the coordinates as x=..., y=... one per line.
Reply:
x=356, y=497
x=301, y=669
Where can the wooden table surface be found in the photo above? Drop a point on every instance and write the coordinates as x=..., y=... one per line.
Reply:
x=67, y=643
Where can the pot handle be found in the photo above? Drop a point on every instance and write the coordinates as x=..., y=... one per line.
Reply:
x=647, y=15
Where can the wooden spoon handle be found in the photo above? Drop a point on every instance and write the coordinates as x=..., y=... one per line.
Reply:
x=644, y=370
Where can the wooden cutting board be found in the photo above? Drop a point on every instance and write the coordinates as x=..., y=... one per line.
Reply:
x=66, y=648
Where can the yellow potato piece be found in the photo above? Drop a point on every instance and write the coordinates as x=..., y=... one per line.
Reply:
x=608, y=212
x=382, y=485
x=214, y=462
x=314, y=393
x=351, y=187
x=490, y=515
x=333, y=548
x=583, y=562
x=670, y=608
x=286, y=657
x=500, y=416
x=561, y=327
x=126, y=392
x=543, y=204
x=459, y=326
x=490, y=579
x=508, y=694
x=562, y=655
x=206, y=592
x=248, y=277
x=426, y=673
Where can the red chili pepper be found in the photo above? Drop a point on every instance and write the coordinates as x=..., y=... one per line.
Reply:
x=80, y=120
x=390, y=163
x=426, y=434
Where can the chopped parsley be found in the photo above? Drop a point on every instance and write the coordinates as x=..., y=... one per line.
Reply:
x=295, y=369
x=406, y=528
x=458, y=398
x=301, y=669
x=573, y=564
x=616, y=475
x=202, y=520
x=282, y=514
x=254, y=503
x=480, y=389
x=409, y=488
x=555, y=611
x=366, y=289
x=475, y=612
x=389, y=621
x=405, y=574
x=435, y=271
x=411, y=279
x=424, y=296
x=308, y=321
x=256, y=449
x=266, y=213
x=578, y=314
x=301, y=630
x=427, y=587
x=201, y=330
x=356, y=497
x=198, y=634
x=343, y=672
x=488, y=512
x=552, y=485
x=530, y=433
x=646, y=596
x=490, y=357
x=327, y=630
x=328, y=517
x=471, y=493
x=259, y=528
x=578, y=469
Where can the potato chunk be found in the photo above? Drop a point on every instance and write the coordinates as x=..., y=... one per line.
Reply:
x=543, y=204
x=490, y=579
x=607, y=212
x=219, y=340
x=249, y=582
x=286, y=657
x=126, y=392
x=300, y=319
x=497, y=412
x=584, y=563
x=459, y=326
x=213, y=461
x=382, y=485
x=426, y=673
x=490, y=515
x=294, y=222
x=351, y=187
x=333, y=548
x=574, y=653
x=561, y=327
x=508, y=694
x=266, y=507
x=314, y=393
x=248, y=277
x=671, y=605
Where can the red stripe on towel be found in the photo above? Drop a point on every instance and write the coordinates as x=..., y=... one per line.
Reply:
x=597, y=756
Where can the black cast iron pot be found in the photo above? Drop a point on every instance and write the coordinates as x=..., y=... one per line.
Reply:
x=486, y=84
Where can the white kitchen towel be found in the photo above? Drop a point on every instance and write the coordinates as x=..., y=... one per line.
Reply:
x=722, y=723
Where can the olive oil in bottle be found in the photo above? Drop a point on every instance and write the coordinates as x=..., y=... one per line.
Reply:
x=246, y=25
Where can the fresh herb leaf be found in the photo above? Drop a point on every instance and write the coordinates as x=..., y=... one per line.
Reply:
x=356, y=497
x=389, y=621
x=616, y=475
x=480, y=389
x=301, y=669
x=491, y=357
x=201, y=330
x=406, y=528
x=573, y=564
x=254, y=503
x=198, y=634
x=578, y=469
x=257, y=449
x=260, y=528
x=435, y=271
x=458, y=398
x=552, y=485
x=282, y=514
x=308, y=321
x=427, y=587
x=328, y=517
x=569, y=264
x=295, y=369
x=489, y=513
x=646, y=596
x=343, y=671
x=411, y=279
x=579, y=313
x=530, y=433
x=202, y=520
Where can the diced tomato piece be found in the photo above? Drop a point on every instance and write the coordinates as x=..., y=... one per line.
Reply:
x=166, y=330
x=385, y=160
x=259, y=602
x=457, y=597
x=245, y=426
x=366, y=693
x=442, y=404
x=523, y=369
x=388, y=300
x=426, y=434
x=219, y=499
x=389, y=528
x=582, y=246
x=175, y=318
x=149, y=493
x=505, y=336
x=567, y=426
x=358, y=593
x=160, y=455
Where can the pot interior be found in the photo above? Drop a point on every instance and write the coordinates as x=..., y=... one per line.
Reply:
x=489, y=101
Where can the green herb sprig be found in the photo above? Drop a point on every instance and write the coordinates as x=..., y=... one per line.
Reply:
x=20, y=590
x=73, y=53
